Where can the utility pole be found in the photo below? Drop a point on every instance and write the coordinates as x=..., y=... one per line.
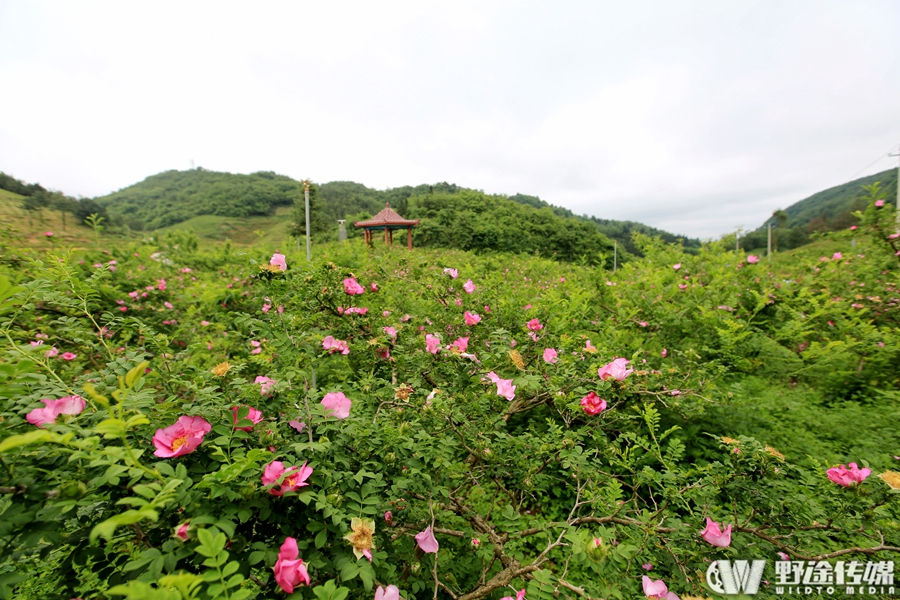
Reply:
x=769, y=247
x=737, y=242
x=306, y=183
x=615, y=255
x=898, y=193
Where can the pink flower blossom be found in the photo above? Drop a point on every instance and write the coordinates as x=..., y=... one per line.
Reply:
x=664, y=353
x=255, y=416
x=373, y=286
x=391, y=332
x=266, y=307
x=51, y=352
x=551, y=356
x=469, y=286
x=471, y=318
x=352, y=287
x=853, y=228
x=588, y=347
x=70, y=405
x=837, y=256
x=68, y=356
x=294, y=477
x=48, y=234
x=783, y=556
x=657, y=590
x=180, y=438
x=168, y=305
x=615, y=370
x=278, y=260
x=337, y=404
x=752, y=259
x=451, y=272
x=182, y=532
x=298, y=425
x=432, y=343
x=647, y=566
x=405, y=318
x=520, y=595
x=333, y=345
x=715, y=535
x=879, y=203
x=355, y=310
x=289, y=569
x=643, y=323
x=848, y=477
x=427, y=541
x=676, y=266
x=505, y=388
x=593, y=404
x=391, y=592
x=534, y=325
x=37, y=343
x=389, y=517
x=461, y=344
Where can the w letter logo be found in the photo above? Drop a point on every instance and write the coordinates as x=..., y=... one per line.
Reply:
x=725, y=577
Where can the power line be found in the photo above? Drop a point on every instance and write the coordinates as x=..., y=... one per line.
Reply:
x=891, y=149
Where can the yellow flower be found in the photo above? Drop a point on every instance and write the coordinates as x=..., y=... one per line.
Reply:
x=360, y=537
x=220, y=369
x=516, y=359
x=892, y=478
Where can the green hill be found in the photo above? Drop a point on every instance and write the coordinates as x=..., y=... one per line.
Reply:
x=828, y=210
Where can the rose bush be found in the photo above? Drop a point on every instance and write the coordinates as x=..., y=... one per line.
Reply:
x=225, y=450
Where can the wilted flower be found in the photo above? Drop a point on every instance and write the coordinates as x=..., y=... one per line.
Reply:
x=848, y=477
x=715, y=535
x=220, y=369
x=426, y=541
x=593, y=404
x=180, y=438
x=517, y=359
x=253, y=415
x=289, y=569
x=617, y=369
x=294, y=477
x=892, y=478
x=403, y=392
x=337, y=404
x=352, y=287
x=360, y=537
x=389, y=517
x=70, y=405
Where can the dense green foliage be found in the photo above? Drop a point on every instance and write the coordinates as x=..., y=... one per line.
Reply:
x=750, y=380
x=829, y=210
x=174, y=196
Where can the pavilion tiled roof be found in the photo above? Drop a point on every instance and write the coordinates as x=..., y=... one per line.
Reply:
x=387, y=216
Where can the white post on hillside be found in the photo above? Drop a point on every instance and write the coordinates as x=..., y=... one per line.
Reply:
x=615, y=255
x=898, y=193
x=306, y=197
x=769, y=247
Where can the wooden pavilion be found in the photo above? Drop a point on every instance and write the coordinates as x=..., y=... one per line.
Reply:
x=387, y=220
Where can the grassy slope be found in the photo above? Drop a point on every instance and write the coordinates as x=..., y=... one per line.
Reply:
x=32, y=227
x=238, y=230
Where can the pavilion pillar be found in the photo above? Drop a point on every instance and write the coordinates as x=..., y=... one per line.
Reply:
x=385, y=235
x=390, y=237
x=409, y=238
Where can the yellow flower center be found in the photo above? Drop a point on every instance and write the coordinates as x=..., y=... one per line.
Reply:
x=178, y=443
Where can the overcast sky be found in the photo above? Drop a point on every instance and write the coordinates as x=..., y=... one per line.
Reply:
x=695, y=117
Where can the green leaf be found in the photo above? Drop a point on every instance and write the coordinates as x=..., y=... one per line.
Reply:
x=108, y=527
x=135, y=374
x=25, y=439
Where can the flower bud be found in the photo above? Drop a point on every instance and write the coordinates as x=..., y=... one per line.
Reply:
x=597, y=549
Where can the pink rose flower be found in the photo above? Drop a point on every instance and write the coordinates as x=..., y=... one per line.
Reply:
x=469, y=286
x=879, y=203
x=333, y=345
x=505, y=388
x=426, y=541
x=664, y=353
x=451, y=272
x=298, y=425
x=520, y=595
x=180, y=438
x=551, y=356
x=294, y=477
x=615, y=370
x=182, y=532
x=432, y=343
x=278, y=260
x=254, y=415
x=391, y=592
x=352, y=287
x=373, y=287
x=657, y=590
x=48, y=234
x=676, y=266
x=461, y=344
x=265, y=386
x=837, y=256
x=593, y=404
x=535, y=325
x=68, y=356
x=266, y=307
x=391, y=332
x=51, y=352
x=471, y=318
x=289, y=569
x=752, y=259
x=70, y=405
x=715, y=535
x=337, y=404
x=848, y=477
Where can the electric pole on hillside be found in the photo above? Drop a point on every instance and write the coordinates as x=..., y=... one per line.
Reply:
x=306, y=183
x=769, y=246
x=615, y=255
x=898, y=192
